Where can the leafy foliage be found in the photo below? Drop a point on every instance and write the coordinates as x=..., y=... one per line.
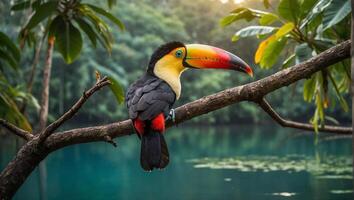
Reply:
x=62, y=17
x=313, y=26
x=64, y=21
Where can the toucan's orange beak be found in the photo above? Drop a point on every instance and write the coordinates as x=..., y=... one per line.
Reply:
x=203, y=57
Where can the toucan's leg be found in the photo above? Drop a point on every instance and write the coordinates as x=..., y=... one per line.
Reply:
x=171, y=115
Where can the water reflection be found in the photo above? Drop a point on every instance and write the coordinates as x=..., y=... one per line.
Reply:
x=99, y=171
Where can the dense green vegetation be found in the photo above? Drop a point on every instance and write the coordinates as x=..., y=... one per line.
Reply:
x=149, y=24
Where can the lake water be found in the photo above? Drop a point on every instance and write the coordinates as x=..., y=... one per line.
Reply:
x=247, y=162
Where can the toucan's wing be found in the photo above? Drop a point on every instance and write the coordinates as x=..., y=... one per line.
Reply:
x=148, y=97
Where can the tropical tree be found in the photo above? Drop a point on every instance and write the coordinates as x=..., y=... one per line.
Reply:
x=61, y=23
x=306, y=27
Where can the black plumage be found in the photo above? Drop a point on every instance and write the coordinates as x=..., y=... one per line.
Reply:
x=146, y=98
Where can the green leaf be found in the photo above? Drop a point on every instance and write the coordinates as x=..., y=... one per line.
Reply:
x=6, y=57
x=309, y=89
x=306, y=7
x=253, y=31
x=315, y=11
x=284, y=30
x=268, y=19
x=86, y=27
x=335, y=12
x=43, y=12
x=241, y=13
x=289, y=10
x=117, y=90
x=67, y=38
x=12, y=113
x=272, y=52
x=108, y=15
x=342, y=101
x=289, y=61
x=7, y=42
x=105, y=37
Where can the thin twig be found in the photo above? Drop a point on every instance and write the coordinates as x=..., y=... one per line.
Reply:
x=16, y=130
x=74, y=109
x=263, y=103
x=108, y=139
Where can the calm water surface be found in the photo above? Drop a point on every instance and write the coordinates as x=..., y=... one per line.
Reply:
x=248, y=162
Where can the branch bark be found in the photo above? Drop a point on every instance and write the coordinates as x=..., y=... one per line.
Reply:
x=29, y=156
x=304, y=126
x=74, y=109
x=16, y=130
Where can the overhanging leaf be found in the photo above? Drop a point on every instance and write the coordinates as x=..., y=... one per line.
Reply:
x=309, y=89
x=284, y=30
x=272, y=52
x=261, y=48
x=315, y=11
x=268, y=19
x=289, y=10
x=6, y=57
x=252, y=31
x=86, y=27
x=68, y=39
x=241, y=13
x=336, y=11
x=43, y=12
x=108, y=15
x=7, y=42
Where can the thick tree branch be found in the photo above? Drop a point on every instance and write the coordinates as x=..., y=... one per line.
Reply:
x=74, y=109
x=305, y=126
x=250, y=92
x=32, y=153
x=16, y=130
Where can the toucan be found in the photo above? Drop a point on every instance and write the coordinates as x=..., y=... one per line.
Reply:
x=150, y=98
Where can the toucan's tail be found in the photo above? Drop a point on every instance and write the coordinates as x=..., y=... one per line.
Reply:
x=154, y=151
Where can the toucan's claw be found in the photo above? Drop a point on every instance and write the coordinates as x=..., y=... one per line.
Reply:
x=171, y=116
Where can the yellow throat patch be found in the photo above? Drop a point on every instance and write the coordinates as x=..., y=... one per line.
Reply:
x=169, y=68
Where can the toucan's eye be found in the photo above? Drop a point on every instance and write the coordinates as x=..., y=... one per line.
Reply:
x=179, y=54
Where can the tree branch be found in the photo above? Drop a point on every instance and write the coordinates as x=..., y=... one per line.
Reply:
x=74, y=109
x=305, y=126
x=16, y=130
x=253, y=91
x=32, y=153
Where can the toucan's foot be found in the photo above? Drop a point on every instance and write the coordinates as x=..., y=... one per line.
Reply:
x=171, y=116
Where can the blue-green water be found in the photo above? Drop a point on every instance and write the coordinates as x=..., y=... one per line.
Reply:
x=248, y=162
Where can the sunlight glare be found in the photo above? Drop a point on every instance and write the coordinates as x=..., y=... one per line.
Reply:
x=238, y=1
